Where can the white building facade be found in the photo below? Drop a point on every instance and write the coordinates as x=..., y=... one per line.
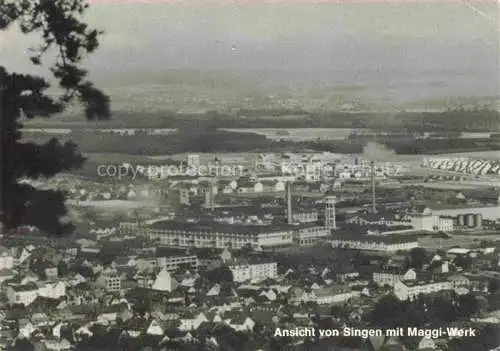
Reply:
x=258, y=271
x=409, y=291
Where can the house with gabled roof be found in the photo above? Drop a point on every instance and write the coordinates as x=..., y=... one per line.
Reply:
x=192, y=323
x=241, y=323
x=39, y=320
x=123, y=262
x=57, y=327
x=164, y=282
x=26, y=328
x=269, y=295
x=75, y=279
x=154, y=328
x=111, y=313
x=226, y=255
x=22, y=294
x=214, y=290
x=135, y=327
x=84, y=331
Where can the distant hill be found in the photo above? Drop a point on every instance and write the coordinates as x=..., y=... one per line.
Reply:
x=195, y=92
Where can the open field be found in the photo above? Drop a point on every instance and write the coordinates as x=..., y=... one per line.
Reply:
x=113, y=205
x=458, y=185
x=300, y=134
x=105, y=157
x=114, y=158
x=462, y=241
x=278, y=194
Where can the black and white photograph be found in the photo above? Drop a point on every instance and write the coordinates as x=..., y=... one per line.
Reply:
x=249, y=175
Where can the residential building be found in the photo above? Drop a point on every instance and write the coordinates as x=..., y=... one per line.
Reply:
x=171, y=262
x=110, y=280
x=54, y=290
x=22, y=294
x=411, y=290
x=391, y=278
x=254, y=271
x=325, y=295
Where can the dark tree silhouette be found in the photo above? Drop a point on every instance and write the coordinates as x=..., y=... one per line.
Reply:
x=62, y=269
x=220, y=275
x=463, y=261
x=60, y=25
x=442, y=310
x=418, y=257
x=389, y=312
x=493, y=286
x=23, y=344
x=468, y=305
x=486, y=339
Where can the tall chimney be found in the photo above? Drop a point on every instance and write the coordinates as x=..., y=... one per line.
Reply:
x=289, y=209
x=212, y=196
x=372, y=176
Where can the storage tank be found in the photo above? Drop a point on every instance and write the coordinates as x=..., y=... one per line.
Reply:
x=461, y=220
x=479, y=221
x=470, y=220
x=473, y=223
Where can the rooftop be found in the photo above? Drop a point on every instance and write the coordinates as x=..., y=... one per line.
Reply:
x=27, y=287
x=220, y=227
x=395, y=238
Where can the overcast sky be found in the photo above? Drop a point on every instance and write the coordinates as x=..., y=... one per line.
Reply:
x=403, y=38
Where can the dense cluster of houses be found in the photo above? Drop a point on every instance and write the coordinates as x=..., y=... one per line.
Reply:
x=59, y=297
x=465, y=165
x=239, y=255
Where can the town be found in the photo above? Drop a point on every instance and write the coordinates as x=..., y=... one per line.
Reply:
x=249, y=175
x=221, y=262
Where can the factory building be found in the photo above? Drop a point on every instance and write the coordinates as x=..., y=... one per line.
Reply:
x=422, y=219
x=469, y=221
x=308, y=235
x=390, y=243
x=444, y=224
x=297, y=230
x=491, y=213
x=218, y=235
x=297, y=216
